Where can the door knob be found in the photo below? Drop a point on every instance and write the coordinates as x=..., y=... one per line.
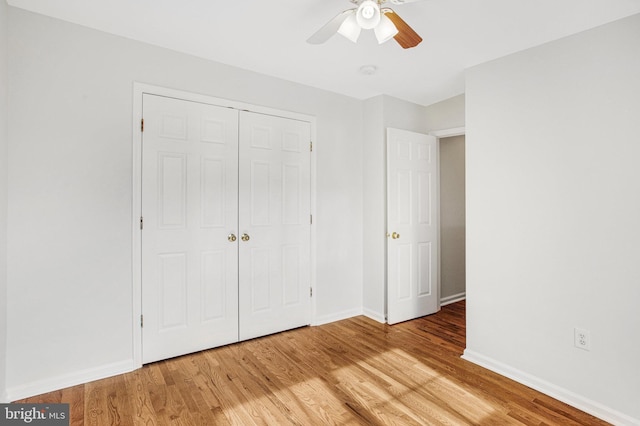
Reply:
x=245, y=237
x=395, y=235
x=231, y=238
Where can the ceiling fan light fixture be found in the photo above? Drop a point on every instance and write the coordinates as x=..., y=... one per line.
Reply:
x=385, y=30
x=350, y=28
x=368, y=14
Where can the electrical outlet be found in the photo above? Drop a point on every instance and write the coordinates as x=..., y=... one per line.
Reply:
x=581, y=338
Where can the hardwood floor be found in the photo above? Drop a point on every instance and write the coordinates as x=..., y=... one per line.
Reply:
x=351, y=372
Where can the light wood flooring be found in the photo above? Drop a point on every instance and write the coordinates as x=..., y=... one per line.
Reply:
x=351, y=372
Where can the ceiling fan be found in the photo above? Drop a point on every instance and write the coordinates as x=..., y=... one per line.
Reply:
x=369, y=15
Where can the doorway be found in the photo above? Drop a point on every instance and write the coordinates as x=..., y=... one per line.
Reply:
x=452, y=219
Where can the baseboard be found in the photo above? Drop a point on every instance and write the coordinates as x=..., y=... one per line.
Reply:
x=374, y=315
x=60, y=382
x=580, y=402
x=337, y=316
x=453, y=298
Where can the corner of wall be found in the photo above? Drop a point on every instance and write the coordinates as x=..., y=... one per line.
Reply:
x=3, y=198
x=373, y=289
x=446, y=114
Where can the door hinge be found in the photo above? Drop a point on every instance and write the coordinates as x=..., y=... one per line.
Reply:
x=311, y=146
x=141, y=223
x=311, y=219
x=310, y=291
x=141, y=321
x=142, y=125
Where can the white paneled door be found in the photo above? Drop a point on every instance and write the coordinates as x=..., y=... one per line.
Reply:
x=275, y=230
x=189, y=210
x=225, y=226
x=412, y=225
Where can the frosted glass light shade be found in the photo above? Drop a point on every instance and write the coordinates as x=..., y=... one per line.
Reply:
x=385, y=29
x=350, y=28
x=368, y=14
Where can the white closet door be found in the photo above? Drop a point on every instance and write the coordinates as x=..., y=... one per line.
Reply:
x=274, y=224
x=189, y=208
x=412, y=225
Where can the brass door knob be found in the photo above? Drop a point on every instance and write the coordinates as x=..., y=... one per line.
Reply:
x=231, y=238
x=395, y=235
x=245, y=237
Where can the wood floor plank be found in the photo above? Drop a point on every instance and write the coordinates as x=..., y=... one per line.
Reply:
x=143, y=413
x=294, y=368
x=351, y=372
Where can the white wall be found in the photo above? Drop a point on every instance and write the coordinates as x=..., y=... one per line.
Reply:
x=70, y=178
x=446, y=114
x=3, y=197
x=553, y=203
x=374, y=207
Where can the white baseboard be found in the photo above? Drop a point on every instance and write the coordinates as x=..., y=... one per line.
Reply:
x=60, y=382
x=453, y=298
x=337, y=316
x=580, y=402
x=374, y=315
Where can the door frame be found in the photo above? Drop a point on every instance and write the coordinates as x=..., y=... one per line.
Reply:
x=448, y=133
x=441, y=134
x=139, y=89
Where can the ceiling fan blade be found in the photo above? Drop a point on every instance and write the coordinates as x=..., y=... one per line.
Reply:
x=330, y=28
x=406, y=36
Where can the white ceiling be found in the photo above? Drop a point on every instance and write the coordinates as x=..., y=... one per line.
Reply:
x=269, y=37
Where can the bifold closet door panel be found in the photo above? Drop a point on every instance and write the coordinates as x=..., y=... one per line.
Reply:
x=189, y=210
x=274, y=224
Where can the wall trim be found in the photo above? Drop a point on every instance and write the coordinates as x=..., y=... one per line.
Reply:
x=338, y=316
x=374, y=315
x=561, y=394
x=51, y=384
x=453, y=298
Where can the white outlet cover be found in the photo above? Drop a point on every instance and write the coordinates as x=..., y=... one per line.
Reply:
x=582, y=338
